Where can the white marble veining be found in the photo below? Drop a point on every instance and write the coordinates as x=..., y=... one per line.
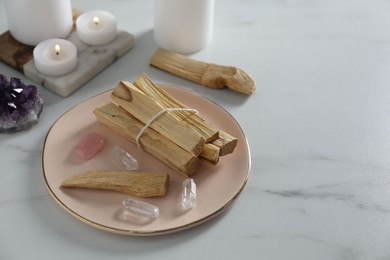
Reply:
x=318, y=126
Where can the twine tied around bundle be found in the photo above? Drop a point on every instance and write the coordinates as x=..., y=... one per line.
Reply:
x=137, y=139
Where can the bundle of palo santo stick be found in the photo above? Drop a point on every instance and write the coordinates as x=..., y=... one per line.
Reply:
x=179, y=138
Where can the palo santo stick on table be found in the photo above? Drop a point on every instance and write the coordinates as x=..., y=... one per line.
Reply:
x=206, y=74
x=163, y=98
x=163, y=149
x=139, y=184
x=144, y=108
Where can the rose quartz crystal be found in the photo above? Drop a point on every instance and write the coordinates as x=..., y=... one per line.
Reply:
x=88, y=146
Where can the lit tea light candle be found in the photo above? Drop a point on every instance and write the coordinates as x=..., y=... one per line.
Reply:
x=55, y=57
x=95, y=20
x=96, y=27
x=57, y=49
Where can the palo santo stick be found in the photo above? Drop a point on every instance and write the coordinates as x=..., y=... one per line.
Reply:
x=211, y=153
x=144, y=108
x=206, y=74
x=139, y=184
x=226, y=143
x=163, y=149
x=165, y=100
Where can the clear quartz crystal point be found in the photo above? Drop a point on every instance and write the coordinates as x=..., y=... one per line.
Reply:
x=141, y=208
x=188, y=194
x=126, y=159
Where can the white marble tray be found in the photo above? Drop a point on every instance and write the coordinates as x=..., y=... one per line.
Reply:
x=91, y=61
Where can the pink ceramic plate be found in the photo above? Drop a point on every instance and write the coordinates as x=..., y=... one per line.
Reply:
x=217, y=186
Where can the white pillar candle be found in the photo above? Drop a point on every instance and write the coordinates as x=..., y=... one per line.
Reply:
x=96, y=27
x=183, y=26
x=33, y=21
x=55, y=57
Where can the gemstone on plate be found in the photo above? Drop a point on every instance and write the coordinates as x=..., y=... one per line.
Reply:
x=125, y=158
x=188, y=194
x=89, y=145
x=20, y=105
x=141, y=208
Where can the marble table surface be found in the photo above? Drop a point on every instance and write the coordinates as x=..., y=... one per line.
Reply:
x=318, y=128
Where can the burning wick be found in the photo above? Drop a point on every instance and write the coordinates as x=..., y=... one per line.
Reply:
x=95, y=20
x=57, y=49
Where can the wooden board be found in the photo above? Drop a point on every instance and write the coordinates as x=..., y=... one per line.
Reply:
x=14, y=53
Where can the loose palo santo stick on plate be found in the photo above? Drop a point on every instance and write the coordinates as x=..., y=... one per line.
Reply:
x=206, y=74
x=139, y=184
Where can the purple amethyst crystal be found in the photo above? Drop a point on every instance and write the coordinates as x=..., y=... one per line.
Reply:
x=20, y=105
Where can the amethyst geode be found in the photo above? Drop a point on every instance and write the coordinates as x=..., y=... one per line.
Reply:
x=20, y=105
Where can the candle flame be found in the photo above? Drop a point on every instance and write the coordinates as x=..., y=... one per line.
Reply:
x=57, y=49
x=95, y=20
